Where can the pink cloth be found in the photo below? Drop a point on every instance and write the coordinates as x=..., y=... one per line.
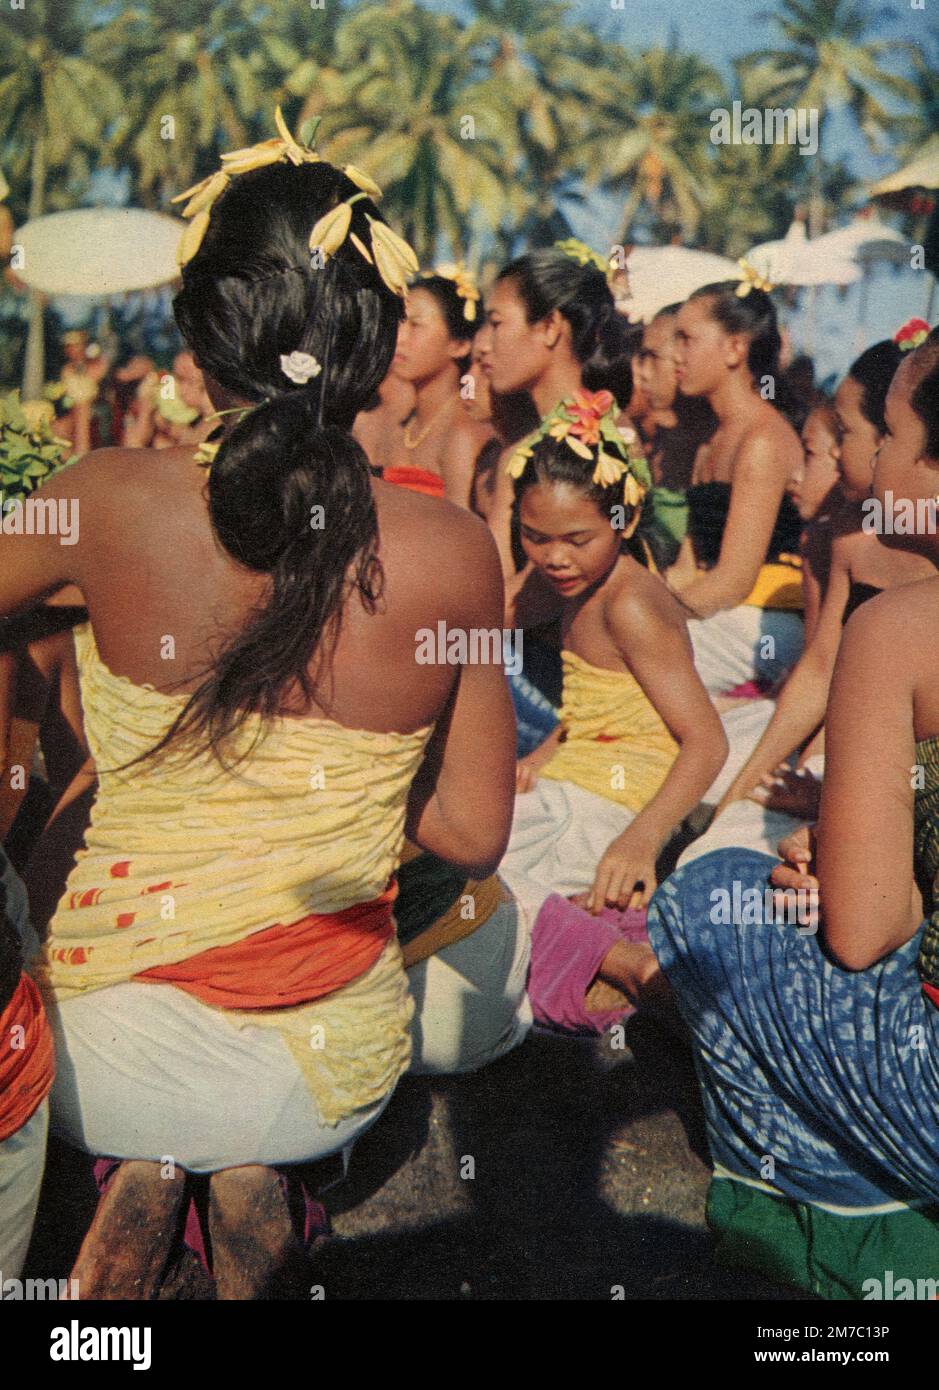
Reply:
x=568, y=946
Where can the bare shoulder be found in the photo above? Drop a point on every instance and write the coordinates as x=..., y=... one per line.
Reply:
x=107, y=471
x=770, y=439
x=470, y=435
x=640, y=609
x=438, y=537
x=899, y=626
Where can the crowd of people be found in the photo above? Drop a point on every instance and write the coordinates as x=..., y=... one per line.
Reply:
x=284, y=859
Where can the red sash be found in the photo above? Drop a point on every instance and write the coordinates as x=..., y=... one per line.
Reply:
x=27, y=1058
x=287, y=965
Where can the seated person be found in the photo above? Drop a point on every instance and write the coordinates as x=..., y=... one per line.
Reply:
x=817, y=1044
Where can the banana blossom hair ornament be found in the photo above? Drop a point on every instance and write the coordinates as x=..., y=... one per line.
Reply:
x=390, y=254
x=912, y=335
x=752, y=280
x=587, y=420
x=583, y=254
x=465, y=286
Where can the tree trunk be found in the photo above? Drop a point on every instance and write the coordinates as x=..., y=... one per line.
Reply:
x=34, y=366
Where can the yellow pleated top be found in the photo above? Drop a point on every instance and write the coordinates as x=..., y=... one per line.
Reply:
x=183, y=856
x=615, y=743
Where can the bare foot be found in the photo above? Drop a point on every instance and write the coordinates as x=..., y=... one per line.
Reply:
x=255, y=1252
x=630, y=967
x=128, y=1244
x=601, y=997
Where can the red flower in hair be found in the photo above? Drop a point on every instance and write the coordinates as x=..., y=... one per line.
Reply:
x=588, y=409
x=912, y=335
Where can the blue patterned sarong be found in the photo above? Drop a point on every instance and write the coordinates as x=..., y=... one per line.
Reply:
x=820, y=1085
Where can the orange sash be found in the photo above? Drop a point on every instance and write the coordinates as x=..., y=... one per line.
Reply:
x=27, y=1058
x=286, y=965
x=417, y=479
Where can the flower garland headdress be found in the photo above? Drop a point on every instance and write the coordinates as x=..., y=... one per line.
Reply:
x=912, y=335
x=466, y=287
x=587, y=420
x=391, y=255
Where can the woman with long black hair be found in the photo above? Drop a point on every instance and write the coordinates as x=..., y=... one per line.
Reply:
x=222, y=975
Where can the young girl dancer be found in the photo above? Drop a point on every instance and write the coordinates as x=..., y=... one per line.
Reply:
x=639, y=739
x=727, y=576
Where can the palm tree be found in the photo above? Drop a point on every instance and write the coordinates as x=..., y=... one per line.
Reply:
x=195, y=87
x=828, y=60
x=409, y=106
x=652, y=137
x=53, y=101
x=542, y=75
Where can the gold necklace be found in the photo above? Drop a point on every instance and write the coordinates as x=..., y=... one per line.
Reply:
x=410, y=442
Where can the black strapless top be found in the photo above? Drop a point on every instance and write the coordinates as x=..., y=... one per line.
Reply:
x=858, y=594
x=708, y=505
x=36, y=623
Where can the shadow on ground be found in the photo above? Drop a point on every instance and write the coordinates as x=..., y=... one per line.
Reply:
x=569, y=1170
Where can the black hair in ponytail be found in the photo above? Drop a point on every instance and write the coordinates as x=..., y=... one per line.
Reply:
x=548, y=280
x=753, y=314
x=252, y=295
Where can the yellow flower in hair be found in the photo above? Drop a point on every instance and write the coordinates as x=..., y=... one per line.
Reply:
x=518, y=461
x=361, y=248
x=202, y=195
x=394, y=258
x=752, y=280
x=253, y=157
x=560, y=428
x=465, y=287
x=581, y=449
x=297, y=154
x=269, y=151
x=206, y=452
x=362, y=180
x=191, y=238
x=609, y=469
x=633, y=491
x=332, y=229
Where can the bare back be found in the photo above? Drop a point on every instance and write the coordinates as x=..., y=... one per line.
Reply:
x=164, y=597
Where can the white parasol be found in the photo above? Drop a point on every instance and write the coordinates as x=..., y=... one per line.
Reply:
x=661, y=275
x=922, y=172
x=99, y=251
x=794, y=260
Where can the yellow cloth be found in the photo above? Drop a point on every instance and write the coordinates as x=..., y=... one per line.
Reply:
x=632, y=759
x=182, y=856
x=778, y=585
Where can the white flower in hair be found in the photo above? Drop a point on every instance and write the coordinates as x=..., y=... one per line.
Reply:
x=628, y=434
x=300, y=367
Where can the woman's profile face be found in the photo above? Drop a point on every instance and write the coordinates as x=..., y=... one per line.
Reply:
x=819, y=470
x=699, y=349
x=425, y=347
x=859, y=439
x=513, y=352
x=901, y=466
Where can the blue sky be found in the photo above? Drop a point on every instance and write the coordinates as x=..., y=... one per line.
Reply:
x=722, y=30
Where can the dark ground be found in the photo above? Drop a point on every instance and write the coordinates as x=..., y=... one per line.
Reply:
x=590, y=1173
